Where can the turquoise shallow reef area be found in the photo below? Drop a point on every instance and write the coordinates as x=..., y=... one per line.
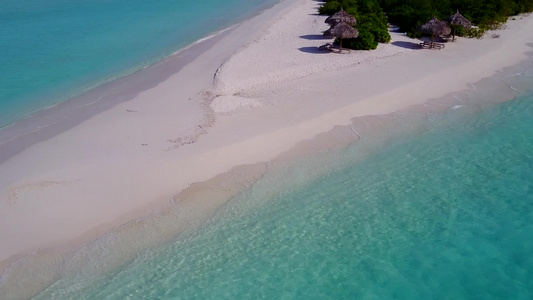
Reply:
x=446, y=213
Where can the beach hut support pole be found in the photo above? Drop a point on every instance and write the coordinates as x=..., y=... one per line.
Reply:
x=453, y=34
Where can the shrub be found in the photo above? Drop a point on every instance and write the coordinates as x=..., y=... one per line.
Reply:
x=476, y=33
x=376, y=27
x=329, y=8
x=410, y=14
x=365, y=41
x=371, y=22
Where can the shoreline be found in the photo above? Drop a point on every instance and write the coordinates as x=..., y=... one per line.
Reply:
x=54, y=120
x=35, y=103
x=202, y=200
x=274, y=127
x=101, y=96
x=128, y=89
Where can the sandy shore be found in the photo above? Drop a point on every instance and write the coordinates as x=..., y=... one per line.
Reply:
x=244, y=97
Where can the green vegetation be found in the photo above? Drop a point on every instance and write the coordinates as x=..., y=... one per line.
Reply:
x=410, y=14
x=371, y=22
x=486, y=14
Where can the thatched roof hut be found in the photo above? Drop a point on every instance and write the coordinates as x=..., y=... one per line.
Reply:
x=342, y=31
x=458, y=20
x=341, y=16
x=435, y=27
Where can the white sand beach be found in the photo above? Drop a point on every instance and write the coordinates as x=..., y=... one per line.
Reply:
x=247, y=96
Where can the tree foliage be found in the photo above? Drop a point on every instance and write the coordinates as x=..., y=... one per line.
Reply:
x=410, y=14
x=371, y=22
x=372, y=16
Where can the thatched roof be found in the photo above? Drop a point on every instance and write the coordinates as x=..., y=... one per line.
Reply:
x=341, y=16
x=343, y=31
x=436, y=27
x=459, y=20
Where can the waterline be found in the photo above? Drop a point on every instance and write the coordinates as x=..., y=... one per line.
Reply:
x=378, y=203
x=56, y=50
x=444, y=213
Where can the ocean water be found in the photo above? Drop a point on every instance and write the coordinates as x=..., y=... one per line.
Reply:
x=54, y=49
x=440, y=210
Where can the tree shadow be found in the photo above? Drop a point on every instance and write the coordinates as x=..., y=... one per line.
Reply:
x=315, y=37
x=407, y=45
x=313, y=50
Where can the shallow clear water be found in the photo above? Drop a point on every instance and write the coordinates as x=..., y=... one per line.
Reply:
x=445, y=213
x=54, y=49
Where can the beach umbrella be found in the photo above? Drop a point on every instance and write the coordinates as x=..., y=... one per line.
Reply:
x=435, y=27
x=341, y=16
x=342, y=31
x=458, y=20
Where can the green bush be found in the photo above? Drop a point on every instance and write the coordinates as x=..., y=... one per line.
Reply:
x=477, y=33
x=410, y=14
x=329, y=8
x=371, y=22
x=332, y=6
x=365, y=41
x=377, y=27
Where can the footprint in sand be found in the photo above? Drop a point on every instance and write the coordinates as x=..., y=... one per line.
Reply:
x=15, y=191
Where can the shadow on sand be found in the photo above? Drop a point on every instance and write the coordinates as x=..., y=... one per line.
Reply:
x=315, y=37
x=408, y=45
x=313, y=50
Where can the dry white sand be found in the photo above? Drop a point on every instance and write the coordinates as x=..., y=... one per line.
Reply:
x=276, y=91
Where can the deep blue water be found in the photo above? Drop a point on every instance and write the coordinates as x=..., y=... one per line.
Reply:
x=54, y=49
x=443, y=213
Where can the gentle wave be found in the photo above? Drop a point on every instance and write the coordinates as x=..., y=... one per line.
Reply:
x=172, y=253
